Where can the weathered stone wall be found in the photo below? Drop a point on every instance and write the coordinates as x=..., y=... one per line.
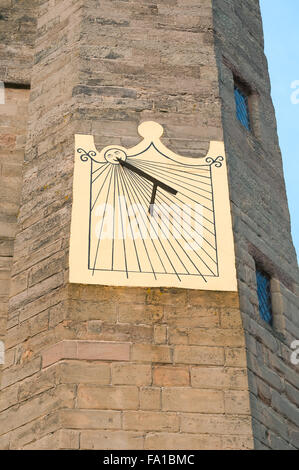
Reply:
x=17, y=33
x=38, y=277
x=13, y=125
x=261, y=226
x=17, y=36
x=97, y=367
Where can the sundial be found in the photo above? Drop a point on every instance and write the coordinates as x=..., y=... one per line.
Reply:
x=146, y=216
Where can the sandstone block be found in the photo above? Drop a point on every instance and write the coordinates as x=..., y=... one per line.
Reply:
x=192, y=400
x=150, y=421
x=108, y=398
x=198, y=355
x=131, y=374
x=171, y=376
x=112, y=440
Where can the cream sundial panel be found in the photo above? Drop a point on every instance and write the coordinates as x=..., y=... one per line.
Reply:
x=146, y=216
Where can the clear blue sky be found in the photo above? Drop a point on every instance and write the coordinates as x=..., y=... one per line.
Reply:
x=281, y=29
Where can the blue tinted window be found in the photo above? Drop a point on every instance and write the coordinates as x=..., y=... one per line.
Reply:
x=242, y=108
x=264, y=296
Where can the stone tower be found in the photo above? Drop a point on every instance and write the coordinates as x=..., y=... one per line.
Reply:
x=97, y=367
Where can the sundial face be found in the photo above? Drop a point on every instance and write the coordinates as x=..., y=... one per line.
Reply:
x=148, y=217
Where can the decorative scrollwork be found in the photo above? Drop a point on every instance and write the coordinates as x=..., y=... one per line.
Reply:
x=84, y=156
x=215, y=161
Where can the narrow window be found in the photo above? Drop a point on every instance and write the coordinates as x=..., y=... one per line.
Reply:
x=242, y=107
x=263, y=282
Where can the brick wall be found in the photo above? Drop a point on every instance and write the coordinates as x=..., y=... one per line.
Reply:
x=13, y=124
x=17, y=33
x=17, y=36
x=169, y=373
x=98, y=367
x=38, y=278
x=261, y=226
